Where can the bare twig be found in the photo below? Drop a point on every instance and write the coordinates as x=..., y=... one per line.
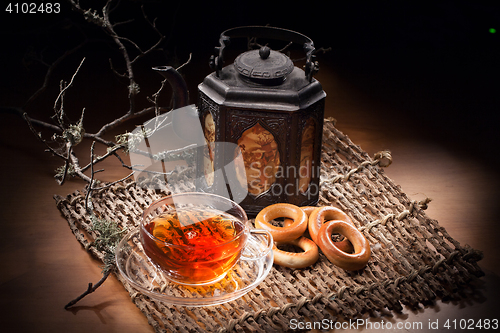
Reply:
x=154, y=46
x=123, y=22
x=91, y=183
x=107, y=26
x=58, y=104
x=51, y=69
x=111, y=151
x=91, y=288
x=114, y=182
x=66, y=163
x=77, y=169
x=115, y=71
x=58, y=101
x=39, y=137
x=186, y=63
x=67, y=135
x=91, y=187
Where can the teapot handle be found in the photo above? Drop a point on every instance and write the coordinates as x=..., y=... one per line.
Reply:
x=217, y=60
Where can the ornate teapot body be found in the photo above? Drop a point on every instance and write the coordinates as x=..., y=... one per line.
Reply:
x=273, y=111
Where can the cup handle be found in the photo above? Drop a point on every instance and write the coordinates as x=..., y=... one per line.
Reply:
x=259, y=244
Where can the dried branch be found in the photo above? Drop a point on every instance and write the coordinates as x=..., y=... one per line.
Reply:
x=186, y=63
x=77, y=169
x=58, y=104
x=115, y=182
x=111, y=151
x=93, y=161
x=39, y=137
x=160, y=39
x=91, y=183
x=74, y=133
x=51, y=69
x=91, y=288
x=66, y=135
x=67, y=164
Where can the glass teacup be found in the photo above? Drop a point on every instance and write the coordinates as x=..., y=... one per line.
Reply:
x=196, y=238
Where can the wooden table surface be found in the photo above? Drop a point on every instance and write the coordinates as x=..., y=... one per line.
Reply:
x=432, y=115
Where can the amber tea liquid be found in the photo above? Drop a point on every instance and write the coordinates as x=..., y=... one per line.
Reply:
x=194, y=246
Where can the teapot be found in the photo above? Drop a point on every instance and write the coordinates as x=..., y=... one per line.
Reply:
x=272, y=110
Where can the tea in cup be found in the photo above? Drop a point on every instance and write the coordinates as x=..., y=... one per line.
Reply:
x=196, y=238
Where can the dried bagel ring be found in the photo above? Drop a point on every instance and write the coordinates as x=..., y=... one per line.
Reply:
x=297, y=260
x=347, y=261
x=327, y=213
x=282, y=234
x=307, y=209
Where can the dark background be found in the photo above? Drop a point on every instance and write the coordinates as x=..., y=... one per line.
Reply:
x=436, y=63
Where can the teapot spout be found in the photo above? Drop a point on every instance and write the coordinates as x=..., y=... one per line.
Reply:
x=176, y=81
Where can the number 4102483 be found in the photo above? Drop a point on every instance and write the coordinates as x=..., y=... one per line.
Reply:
x=33, y=8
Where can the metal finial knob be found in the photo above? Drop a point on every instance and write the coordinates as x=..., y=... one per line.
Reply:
x=264, y=52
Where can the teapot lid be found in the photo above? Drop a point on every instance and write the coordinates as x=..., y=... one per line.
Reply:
x=263, y=64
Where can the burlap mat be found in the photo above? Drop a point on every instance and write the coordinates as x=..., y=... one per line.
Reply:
x=414, y=260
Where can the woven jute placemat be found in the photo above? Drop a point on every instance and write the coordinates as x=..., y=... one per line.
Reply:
x=414, y=260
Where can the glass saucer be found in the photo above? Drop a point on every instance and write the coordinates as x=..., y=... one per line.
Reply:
x=147, y=278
